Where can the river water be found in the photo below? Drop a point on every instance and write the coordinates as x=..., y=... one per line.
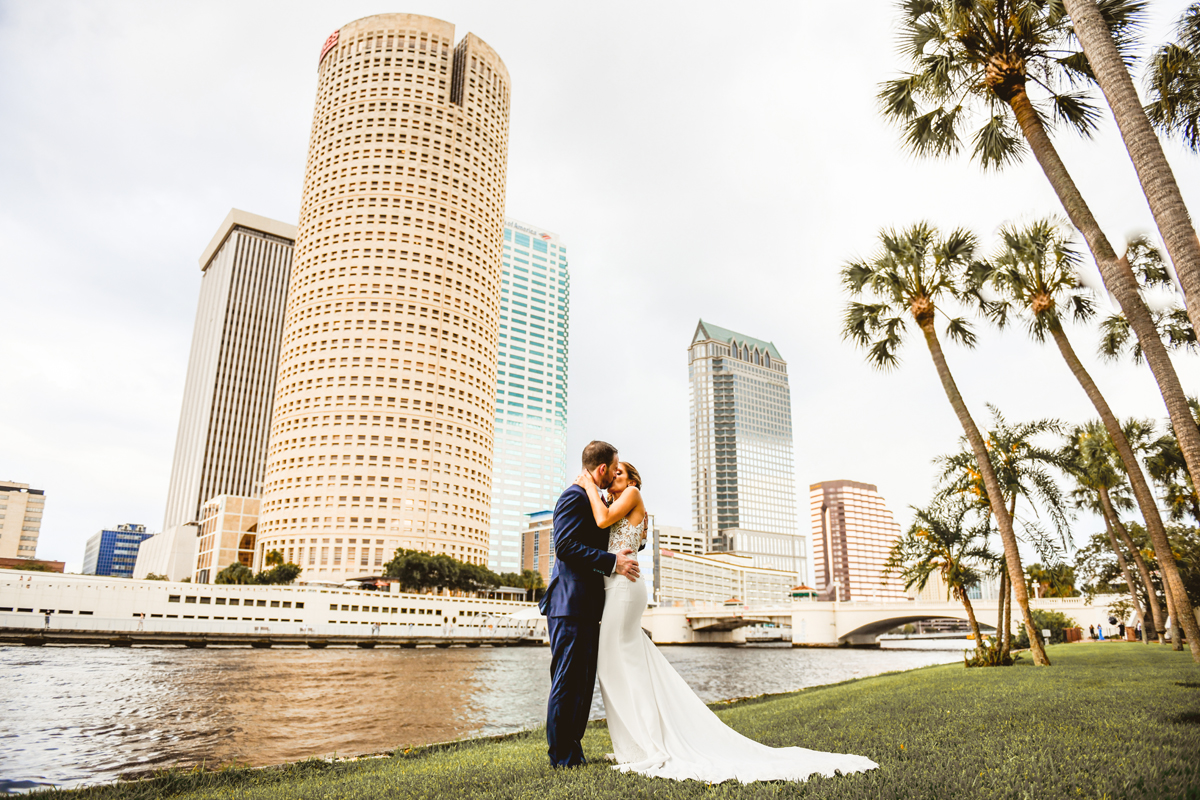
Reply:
x=82, y=715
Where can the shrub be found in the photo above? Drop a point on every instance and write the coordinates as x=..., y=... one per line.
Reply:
x=1056, y=621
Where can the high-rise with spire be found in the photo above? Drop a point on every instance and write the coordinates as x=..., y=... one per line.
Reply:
x=381, y=435
x=743, y=478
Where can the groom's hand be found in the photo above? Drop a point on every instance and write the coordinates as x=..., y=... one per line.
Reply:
x=627, y=565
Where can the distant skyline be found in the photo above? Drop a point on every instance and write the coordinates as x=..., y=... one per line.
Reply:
x=697, y=173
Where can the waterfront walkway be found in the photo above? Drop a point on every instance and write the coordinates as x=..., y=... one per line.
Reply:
x=1107, y=720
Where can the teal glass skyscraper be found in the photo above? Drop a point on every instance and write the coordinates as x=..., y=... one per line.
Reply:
x=530, y=451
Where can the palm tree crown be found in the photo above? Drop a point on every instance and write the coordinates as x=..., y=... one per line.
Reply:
x=941, y=541
x=1174, y=82
x=1174, y=327
x=990, y=51
x=1023, y=467
x=1036, y=273
x=910, y=273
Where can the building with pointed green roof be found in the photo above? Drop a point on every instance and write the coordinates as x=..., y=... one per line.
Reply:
x=743, y=474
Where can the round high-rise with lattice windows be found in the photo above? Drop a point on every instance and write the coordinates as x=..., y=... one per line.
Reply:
x=381, y=435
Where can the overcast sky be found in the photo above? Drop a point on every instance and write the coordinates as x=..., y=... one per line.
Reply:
x=699, y=160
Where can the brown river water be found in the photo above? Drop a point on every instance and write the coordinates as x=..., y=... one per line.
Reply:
x=72, y=716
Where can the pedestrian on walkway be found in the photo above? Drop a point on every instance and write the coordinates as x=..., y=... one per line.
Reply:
x=1091, y=631
x=47, y=620
x=1121, y=629
x=1137, y=630
x=1100, y=631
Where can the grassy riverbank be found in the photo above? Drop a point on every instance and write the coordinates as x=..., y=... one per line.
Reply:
x=1117, y=720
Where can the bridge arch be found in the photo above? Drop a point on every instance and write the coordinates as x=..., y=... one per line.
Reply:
x=868, y=632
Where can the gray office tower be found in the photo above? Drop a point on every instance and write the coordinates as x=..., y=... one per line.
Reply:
x=743, y=480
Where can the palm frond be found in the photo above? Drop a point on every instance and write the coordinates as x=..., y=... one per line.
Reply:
x=1076, y=111
x=934, y=133
x=998, y=143
x=958, y=329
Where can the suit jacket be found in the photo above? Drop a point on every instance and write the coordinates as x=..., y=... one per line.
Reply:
x=581, y=560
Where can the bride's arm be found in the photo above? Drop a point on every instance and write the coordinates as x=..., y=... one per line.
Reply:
x=607, y=515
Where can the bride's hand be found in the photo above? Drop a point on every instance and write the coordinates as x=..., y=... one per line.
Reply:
x=585, y=480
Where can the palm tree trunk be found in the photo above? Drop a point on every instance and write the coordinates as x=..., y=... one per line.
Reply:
x=1109, y=516
x=1173, y=614
x=1145, y=149
x=1143, y=570
x=1001, y=630
x=966, y=601
x=1012, y=556
x=1012, y=513
x=1120, y=280
x=1008, y=619
x=1133, y=468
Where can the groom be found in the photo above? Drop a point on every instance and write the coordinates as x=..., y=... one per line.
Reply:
x=573, y=604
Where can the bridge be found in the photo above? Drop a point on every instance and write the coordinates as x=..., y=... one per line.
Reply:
x=831, y=624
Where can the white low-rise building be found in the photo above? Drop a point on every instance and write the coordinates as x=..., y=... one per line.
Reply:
x=684, y=579
x=77, y=602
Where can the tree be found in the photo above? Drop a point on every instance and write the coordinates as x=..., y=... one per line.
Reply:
x=908, y=276
x=1022, y=467
x=1174, y=328
x=989, y=51
x=1164, y=462
x=236, y=573
x=1056, y=580
x=1056, y=621
x=418, y=571
x=530, y=580
x=1174, y=82
x=154, y=576
x=278, y=575
x=1145, y=150
x=1092, y=460
x=939, y=542
x=32, y=566
x=1036, y=274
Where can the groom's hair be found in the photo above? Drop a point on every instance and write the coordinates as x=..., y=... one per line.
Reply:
x=597, y=453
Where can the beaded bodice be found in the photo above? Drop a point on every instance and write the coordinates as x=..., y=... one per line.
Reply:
x=624, y=536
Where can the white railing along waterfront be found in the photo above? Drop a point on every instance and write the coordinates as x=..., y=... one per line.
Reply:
x=489, y=627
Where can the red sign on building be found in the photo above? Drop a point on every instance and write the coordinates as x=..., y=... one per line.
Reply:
x=329, y=45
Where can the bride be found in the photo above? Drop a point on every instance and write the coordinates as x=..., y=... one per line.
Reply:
x=659, y=727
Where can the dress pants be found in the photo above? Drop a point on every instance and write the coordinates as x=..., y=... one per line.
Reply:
x=573, y=649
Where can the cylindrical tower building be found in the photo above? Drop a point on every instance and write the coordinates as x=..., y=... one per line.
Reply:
x=382, y=430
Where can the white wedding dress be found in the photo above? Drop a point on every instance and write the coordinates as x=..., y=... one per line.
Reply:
x=659, y=727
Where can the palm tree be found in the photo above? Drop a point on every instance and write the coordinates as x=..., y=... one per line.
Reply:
x=1165, y=464
x=1091, y=460
x=913, y=270
x=1036, y=274
x=1149, y=160
x=990, y=51
x=1174, y=327
x=940, y=542
x=1021, y=467
x=1174, y=82
x=1056, y=580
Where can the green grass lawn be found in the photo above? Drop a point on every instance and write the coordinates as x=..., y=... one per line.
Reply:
x=1108, y=720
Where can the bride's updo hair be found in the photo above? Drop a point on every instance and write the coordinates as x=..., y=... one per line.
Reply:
x=631, y=472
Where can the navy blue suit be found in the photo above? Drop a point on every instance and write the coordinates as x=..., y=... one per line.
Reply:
x=573, y=605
